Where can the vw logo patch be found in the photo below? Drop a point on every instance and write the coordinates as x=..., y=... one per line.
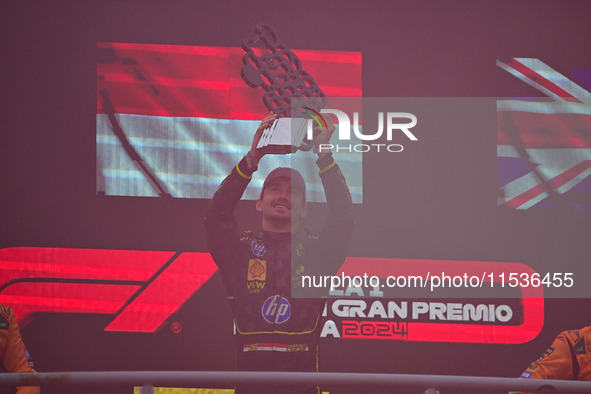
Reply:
x=276, y=310
x=258, y=249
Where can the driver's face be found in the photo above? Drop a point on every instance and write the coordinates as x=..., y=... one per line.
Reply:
x=282, y=203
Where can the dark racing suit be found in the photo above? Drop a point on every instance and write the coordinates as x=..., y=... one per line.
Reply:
x=275, y=332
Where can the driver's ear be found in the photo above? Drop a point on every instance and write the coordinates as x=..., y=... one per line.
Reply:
x=259, y=205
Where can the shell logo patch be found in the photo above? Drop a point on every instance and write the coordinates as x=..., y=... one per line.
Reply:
x=257, y=270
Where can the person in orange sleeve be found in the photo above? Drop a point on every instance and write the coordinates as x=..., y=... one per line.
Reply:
x=568, y=358
x=13, y=353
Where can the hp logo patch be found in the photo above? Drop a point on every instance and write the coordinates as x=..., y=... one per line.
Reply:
x=258, y=249
x=276, y=310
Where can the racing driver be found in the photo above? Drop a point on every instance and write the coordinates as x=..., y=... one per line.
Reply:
x=568, y=358
x=275, y=332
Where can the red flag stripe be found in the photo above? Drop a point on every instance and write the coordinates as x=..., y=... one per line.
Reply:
x=555, y=182
x=173, y=80
x=540, y=80
x=540, y=131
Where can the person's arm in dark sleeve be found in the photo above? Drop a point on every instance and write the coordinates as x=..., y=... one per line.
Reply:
x=335, y=236
x=221, y=229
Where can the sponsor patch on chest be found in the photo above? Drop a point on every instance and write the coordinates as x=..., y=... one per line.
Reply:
x=256, y=275
x=276, y=310
x=258, y=249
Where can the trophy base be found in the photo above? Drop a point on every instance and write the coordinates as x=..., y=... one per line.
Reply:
x=278, y=149
x=285, y=136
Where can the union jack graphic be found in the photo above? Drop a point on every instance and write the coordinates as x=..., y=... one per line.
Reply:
x=544, y=145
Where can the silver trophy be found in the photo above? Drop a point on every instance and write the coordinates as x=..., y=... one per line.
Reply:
x=272, y=66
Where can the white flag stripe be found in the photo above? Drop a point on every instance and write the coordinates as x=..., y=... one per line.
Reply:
x=544, y=107
x=551, y=163
x=191, y=156
x=528, y=81
x=555, y=77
